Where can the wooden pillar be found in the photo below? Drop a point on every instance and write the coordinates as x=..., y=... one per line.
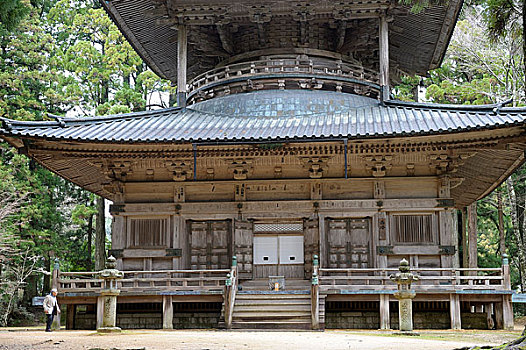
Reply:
x=385, y=316
x=499, y=317
x=181, y=65
x=168, y=312
x=384, y=57
x=472, y=236
x=507, y=312
x=507, y=306
x=454, y=310
x=100, y=311
x=447, y=235
x=323, y=241
x=55, y=275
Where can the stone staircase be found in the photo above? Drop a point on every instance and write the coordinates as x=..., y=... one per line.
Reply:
x=257, y=307
x=272, y=310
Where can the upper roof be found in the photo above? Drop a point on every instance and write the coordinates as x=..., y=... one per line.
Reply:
x=221, y=29
x=274, y=115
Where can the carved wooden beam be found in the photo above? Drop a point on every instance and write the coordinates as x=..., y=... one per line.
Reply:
x=180, y=168
x=378, y=165
x=240, y=167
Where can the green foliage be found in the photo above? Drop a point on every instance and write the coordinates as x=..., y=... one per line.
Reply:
x=408, y=88
x=58, y=56
x=11, y=13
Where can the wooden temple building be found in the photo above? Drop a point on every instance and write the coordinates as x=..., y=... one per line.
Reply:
x=286, y=151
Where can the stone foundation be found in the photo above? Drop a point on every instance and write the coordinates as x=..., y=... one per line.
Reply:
x=475, y=320
x=425, y=320
x=352, y=320
x=85, y=321
x=141, y=320
x=196, y=320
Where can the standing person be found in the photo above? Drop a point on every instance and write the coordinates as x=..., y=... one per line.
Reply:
x=51, y=308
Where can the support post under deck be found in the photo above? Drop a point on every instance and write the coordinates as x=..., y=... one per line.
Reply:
x=385, y=321
x=168, y=312
x=454, y=309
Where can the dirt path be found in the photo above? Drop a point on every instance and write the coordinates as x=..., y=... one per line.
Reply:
x=244, y=340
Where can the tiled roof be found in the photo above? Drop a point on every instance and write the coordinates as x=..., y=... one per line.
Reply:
x=274, y=115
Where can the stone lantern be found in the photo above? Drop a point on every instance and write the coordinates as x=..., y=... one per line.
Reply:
x=405, y=295
x=109, y=294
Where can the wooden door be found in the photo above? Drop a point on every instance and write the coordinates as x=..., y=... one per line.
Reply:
x=243, y=238
x=348, y=243
x=210, y=244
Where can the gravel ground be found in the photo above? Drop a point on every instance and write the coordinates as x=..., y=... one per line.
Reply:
x=19, y=339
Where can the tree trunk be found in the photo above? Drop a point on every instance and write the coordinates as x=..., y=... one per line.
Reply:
x=46, y=285
x=30, y=289
x=100, y=236
x=472, y=236
x=524, y=42
x=515, y=205
x=89, y=261
x=502, y=236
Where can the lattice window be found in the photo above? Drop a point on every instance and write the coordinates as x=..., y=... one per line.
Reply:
x=148, y=232
x=413, y=228
x=278, y=227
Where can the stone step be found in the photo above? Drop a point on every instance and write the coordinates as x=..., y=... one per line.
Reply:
x=265, y=315
x=271, y=325
x=272, y=306
x=281, y=302
x=245, y=296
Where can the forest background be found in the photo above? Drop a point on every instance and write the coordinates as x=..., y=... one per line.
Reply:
x=62, y=57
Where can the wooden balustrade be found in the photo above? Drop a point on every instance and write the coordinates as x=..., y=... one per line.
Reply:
x=144, y=281
x=329, y=279
x=254, y=69
x=430, y=278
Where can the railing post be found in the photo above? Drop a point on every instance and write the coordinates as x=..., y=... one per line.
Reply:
x=315, y=294
x=506, y=272
x=56, y=274
x=507, y=306
x=230, y=293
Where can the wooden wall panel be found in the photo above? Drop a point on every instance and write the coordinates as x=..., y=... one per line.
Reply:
x=411, y=188
x=348, y=243
x=243, y=246
x=357, y=189
x=210, y=244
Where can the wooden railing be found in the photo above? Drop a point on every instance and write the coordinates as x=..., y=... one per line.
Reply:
x=145, y=281
x=230, y=293
x=430, y=279
x=255, y=69
x=315, y=294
